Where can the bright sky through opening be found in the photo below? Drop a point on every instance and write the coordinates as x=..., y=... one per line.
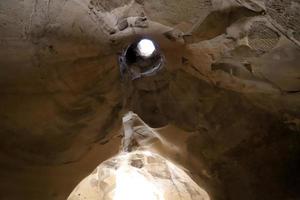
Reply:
x=146, y=47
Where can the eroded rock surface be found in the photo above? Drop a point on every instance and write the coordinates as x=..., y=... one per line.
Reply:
x=138, y=175
x=231, y=83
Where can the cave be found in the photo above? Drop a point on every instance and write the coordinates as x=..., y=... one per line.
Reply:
x=150, y=100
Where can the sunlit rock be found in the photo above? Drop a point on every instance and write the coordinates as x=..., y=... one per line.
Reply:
x=138, y=174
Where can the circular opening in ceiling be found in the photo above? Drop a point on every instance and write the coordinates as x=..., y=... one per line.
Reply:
x=141, y=58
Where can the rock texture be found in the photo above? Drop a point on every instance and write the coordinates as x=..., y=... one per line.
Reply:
x=228, y=97
x=138, y=175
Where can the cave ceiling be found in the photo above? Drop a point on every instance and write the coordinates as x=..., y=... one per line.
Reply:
x=229, y=91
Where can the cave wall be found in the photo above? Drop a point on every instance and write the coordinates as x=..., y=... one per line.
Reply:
x=231, y=81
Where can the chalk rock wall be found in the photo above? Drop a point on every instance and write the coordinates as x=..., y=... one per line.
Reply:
x=230, y=82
